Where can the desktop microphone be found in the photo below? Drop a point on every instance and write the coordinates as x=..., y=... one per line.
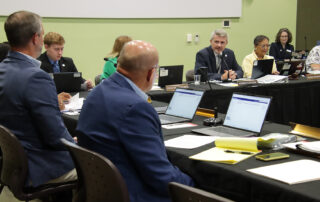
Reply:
x=227, y=67
x=305, y=42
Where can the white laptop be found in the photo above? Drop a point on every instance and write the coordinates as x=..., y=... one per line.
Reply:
x=182, y=107
x=244, y=118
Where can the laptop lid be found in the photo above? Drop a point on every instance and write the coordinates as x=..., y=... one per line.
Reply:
x=67, y=81
x=291, y=67
x=184, y=103
x=169, y=75
x=261, y=68
x=247, y=112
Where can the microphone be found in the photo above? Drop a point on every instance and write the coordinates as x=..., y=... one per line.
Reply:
x=305, y=42
x=225, y=63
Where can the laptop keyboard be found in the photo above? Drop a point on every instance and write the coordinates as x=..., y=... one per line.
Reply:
x=169, y=119
x=229, y=132
x=161, y=110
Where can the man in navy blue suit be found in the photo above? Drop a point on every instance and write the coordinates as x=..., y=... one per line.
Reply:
x=118, y=122
x=29, y=105
x=220, y=61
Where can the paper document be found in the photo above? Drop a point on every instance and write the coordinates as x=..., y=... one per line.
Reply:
x=229, y=150
x=74, y=105
x=230, y=84
x=189, y=141
x=156, y=87
x=312, y=145
x=178, y=125
x=273, y=79
x=313, y=71
x=291, y=172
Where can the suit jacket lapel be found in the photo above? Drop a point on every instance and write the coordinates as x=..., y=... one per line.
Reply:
x=212, y=60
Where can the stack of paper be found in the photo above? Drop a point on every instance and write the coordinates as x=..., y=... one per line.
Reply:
x=74, y=106
x=272, y=79
x=291, y=172
x=229, y=150
x=189, y=141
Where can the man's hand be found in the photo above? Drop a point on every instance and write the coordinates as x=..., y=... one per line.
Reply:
x=275, y=72
x=232, y=74
x=315, y=66
x=63, y=98
x=224, y=76
x=89, y=84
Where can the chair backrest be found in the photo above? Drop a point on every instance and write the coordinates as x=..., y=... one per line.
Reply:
x=99, y=179
x=97, y=79
x=190, y=75
x=14, y=162
x=182, y=193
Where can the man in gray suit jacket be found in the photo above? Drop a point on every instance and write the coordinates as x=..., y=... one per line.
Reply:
x=29, y=105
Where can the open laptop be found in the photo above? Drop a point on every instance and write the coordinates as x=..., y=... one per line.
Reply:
x=67, y=81
x=169, y=75
x=244, y=118
x=182, y=107
x=294, y=66
x=261, y=68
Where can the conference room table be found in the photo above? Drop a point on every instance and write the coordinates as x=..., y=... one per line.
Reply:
x=232, y=181
x=296, y=101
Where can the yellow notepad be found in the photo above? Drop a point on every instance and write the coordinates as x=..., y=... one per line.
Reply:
x=229, y=150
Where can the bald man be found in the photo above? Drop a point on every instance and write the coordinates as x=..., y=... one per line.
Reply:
x=118, y=122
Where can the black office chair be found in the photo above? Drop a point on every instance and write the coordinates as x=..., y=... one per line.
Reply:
x=190, y=75
x=183, y=193
x=14, y=171
x=97, y=79
x=99, y=179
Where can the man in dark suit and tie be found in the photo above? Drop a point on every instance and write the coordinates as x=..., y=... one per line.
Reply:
x=29, y=105
x=117, y=121
x=52, y=60
x=220, y=61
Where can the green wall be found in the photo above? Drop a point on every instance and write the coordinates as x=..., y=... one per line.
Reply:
x=89, y=40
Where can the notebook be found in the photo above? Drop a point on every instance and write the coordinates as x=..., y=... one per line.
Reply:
x=169, y=75
x=67, y=81
x=261, y=68
x=244, y=118
x=182, y=107
x=290, y=67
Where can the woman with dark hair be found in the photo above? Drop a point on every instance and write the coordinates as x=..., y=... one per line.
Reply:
x=4, y=50
x=282, y=49
x=261, y=47
x=111, y=59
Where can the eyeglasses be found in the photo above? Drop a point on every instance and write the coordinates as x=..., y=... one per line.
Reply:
x=265, y=46
x=155, y=66
x=284, y=36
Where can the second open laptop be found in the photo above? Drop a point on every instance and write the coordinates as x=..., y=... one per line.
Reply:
x=182, y=107
x=169, y=75
x=261, y=68
x=294, y=66
x=67, y=81
x=244, y=118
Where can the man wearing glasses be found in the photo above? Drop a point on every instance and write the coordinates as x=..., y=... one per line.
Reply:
x=220, y=61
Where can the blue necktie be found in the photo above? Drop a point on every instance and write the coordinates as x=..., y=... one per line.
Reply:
x=56, y=68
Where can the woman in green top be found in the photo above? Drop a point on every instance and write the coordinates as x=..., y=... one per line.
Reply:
x=111, y=59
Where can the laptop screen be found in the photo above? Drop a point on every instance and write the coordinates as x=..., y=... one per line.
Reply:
x=261, y=68
x=184, y=103
x=170, y=75
x=67, y=81
x=247, y=112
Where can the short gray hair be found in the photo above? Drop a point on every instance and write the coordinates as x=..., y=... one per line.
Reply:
x=20, y=26
x=219, y=32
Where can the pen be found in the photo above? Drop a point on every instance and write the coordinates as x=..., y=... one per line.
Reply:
x=240, y=152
